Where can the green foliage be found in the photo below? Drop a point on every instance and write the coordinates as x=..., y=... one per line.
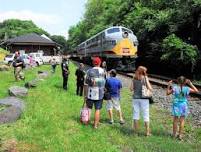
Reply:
x=151, y=20
x=61, y=40
x=3, y=51
x=176, y=51
x=14, y=27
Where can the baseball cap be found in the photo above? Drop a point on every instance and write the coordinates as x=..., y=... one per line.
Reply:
x=96, y=61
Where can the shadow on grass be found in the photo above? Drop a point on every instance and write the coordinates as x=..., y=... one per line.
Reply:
x=128, y=131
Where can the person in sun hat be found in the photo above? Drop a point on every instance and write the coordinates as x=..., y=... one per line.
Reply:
x=94, y=88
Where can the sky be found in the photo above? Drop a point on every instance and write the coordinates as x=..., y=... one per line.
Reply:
x=54, y=16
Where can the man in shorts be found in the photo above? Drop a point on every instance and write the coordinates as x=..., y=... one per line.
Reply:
x=94, y=88
x=113, y=86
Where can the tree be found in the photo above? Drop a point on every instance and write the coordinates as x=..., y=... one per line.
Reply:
x=61, y=40
x=14, y=27
x=178, y=53
x=152, y=22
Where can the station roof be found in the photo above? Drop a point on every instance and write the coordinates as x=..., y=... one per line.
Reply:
x=30, y=39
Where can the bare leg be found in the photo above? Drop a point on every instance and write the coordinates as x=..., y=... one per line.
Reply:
x=97, y=118
x=175, y=121
x=181, y=127
x=120, y=115
x=110, y=115
x=146, y=124
x=136, y=126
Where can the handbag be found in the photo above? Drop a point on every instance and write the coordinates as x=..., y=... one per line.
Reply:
x=107, y=96
x=147, y=93
x=84, y=114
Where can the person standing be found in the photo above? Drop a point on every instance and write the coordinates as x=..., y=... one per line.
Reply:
x=31, y=61
x=53, y=65
x=18, y=65
x=94, y=88
x=139, y=103
x=113, y=86
x=80, y=79
x=180, y=92
x=65, y=73
x=104, y=66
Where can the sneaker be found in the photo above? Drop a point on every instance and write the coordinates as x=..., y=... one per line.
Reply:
x=122, y=122
x=180, y=137
x=95, y=127
x=148, y=134
x=111, y=122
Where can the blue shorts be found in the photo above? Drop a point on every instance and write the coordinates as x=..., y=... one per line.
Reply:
x=97, y=104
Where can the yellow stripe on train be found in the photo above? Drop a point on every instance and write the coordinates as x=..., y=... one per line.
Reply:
x=125, y=48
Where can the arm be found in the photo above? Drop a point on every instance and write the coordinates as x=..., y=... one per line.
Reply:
x=193, y=89
x=85, y=87
x=85, y=91
x=148, y=83
x=169, y=89
x=131, y=86
x=20, y=61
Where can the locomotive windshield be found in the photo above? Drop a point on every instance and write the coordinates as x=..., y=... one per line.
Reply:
x=126, y=30
x=113, y=30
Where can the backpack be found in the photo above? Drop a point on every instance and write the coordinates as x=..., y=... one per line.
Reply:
x=84, y=115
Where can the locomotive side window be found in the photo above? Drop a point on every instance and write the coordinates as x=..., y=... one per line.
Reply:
x=103, y=35
x=113, y=30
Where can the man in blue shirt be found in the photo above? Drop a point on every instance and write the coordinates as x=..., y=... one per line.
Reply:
x=113, y=86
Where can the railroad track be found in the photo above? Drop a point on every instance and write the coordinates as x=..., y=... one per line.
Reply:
x=162, y=81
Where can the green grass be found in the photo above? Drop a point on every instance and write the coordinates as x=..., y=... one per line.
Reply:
x=50, y=122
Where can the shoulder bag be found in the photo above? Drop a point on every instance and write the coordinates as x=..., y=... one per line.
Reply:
x=147, y=93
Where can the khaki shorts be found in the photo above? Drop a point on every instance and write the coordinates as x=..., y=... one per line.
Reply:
x=18, y=73
x=113, y=103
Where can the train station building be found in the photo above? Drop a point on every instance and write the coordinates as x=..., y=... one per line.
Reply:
x=32, y=43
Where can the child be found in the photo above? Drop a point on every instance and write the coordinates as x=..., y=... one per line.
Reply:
x=113, y=86
x=180, y=92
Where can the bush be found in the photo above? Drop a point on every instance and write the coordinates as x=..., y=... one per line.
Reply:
x=176, y=51
x=3, y=53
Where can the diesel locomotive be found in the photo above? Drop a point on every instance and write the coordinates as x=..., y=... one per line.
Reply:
x=116, y=45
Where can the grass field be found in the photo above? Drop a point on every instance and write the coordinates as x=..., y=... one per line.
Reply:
x=50, y=123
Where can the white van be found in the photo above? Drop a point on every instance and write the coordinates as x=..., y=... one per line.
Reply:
x=9, y=58
x=37, y=57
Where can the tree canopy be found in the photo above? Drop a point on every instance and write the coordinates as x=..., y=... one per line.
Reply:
x=14, y=27
x=153, y=22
